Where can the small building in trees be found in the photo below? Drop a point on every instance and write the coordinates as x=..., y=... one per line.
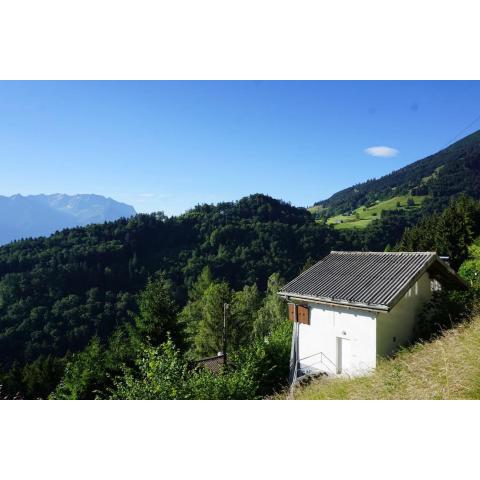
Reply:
x=215, y=364
x=351, y=307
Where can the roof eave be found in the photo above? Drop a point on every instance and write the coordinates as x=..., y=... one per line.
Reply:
x=333, y=302
x=454, y=275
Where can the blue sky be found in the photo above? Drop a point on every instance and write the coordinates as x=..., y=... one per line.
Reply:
x=171, y=145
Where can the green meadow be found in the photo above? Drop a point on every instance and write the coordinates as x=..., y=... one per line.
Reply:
x=363, y=216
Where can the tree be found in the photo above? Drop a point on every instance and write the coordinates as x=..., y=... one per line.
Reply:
x=273, y=310
x=41, y=377
x=257, y=369
x=191, y=315
x=449, y=233
x=242, y=313
x=202, y=317
x=157, y=311
x=209, y=337
x=89, y=374
x=203, y=281
x=84, y=374
x=162, y=373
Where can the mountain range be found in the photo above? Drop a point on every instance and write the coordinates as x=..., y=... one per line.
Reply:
x=40, y=215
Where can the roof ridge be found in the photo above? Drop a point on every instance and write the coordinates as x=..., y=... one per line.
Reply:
x=213, y=357
x=357, y=252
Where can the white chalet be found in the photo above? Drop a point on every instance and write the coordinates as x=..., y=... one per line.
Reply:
x=351, y=307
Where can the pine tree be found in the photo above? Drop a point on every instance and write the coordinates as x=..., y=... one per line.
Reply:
x=191, y=315
x=209, y=337
x=202, y=283
x=157, y=311
x=243, y=312
x=274, y=309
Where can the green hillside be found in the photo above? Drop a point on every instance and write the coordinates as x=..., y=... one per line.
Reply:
x=447, y=173
x=363, y=216
x=58, y=294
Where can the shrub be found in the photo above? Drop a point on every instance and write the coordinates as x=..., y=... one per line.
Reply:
x=445, y=310
x=163, y=373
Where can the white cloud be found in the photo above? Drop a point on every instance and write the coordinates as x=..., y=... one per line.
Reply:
x=146, y=195
x=381, y=151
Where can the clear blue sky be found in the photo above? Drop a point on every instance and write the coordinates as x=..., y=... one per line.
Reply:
x=170, y=145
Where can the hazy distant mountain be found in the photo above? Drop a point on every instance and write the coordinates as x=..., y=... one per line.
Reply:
x=37, y=215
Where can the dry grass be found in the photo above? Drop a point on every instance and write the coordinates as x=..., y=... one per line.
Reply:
x=447, y=368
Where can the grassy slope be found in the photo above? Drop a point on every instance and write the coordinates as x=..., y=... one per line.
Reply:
x=367, y=215
x=446, y=368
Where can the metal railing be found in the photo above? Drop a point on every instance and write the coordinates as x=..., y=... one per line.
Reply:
x=322, y=359
x=295, y=360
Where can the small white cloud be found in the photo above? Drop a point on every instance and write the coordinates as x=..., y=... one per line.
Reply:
x=381, y=151
x=146, y=195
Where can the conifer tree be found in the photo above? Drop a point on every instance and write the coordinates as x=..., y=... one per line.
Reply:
x=274, y=308
x=157, y=311
x=243, y=312
x=209, y=337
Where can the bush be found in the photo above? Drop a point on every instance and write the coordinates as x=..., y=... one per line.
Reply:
x=445, y=310
x=163, y=373
x=470, y=269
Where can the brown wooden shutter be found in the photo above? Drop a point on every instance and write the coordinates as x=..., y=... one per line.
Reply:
x=303, y=314
x=291, y=312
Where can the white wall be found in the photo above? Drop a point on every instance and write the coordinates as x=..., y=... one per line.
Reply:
x=319, y=339
x=368, y=333
x=395, y=328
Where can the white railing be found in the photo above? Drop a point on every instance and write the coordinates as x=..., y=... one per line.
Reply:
x=324, y=360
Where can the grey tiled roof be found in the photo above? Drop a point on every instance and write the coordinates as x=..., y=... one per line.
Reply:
x=214, y=364
x=374, y=280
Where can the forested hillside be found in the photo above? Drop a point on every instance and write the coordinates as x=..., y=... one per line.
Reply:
x=450, y=172
x=59, y=292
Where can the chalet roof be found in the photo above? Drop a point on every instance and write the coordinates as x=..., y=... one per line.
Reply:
x=369, y=280
x=214, y=364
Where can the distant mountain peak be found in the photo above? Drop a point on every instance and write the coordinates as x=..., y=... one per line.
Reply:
x=23, y=216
